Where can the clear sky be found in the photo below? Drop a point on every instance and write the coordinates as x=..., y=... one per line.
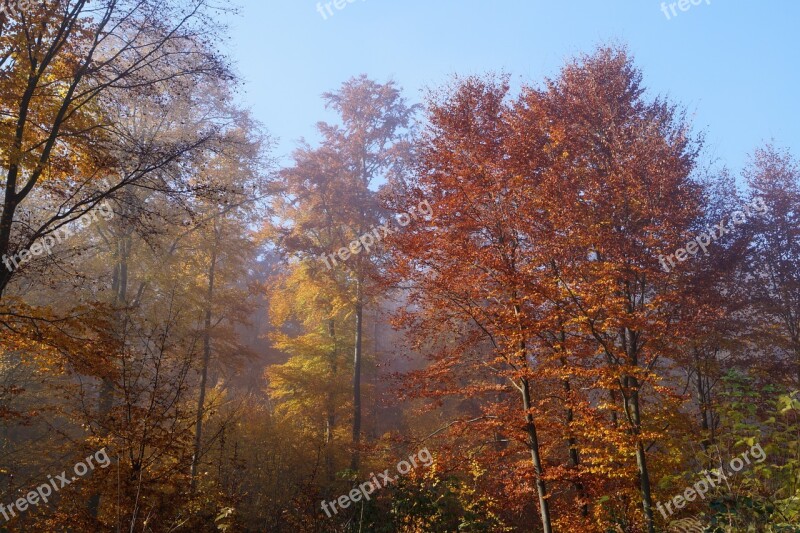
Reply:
x=732, y=63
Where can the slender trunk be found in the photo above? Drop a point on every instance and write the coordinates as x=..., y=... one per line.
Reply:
x=330, y=405
x=612, y=394
x=632, y=408
x=797, y=359
x=106, y=399
x=5, y=277
x=357, y=379
x=501, y=442
x=11, y=197
x=644, y=482
x=541, y=488
x=220, y=472
x=574, y=457
x=198, y=430
x=703, y=401
x=530, y=426
x=632, y=411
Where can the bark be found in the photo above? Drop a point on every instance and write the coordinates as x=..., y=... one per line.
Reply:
x=612, y=394
x=797, y=359
x=704, y=400
x=330, y=404
x=541, y=488
x=198, y=431
x=574, y=456
x=530, y=426
x=354, y=463
x=106, y=398
x=632, y=411
x=644, y=482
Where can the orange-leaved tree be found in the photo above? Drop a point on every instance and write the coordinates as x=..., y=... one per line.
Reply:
x=543, y=266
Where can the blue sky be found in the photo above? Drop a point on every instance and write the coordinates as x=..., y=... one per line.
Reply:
x=732, y=63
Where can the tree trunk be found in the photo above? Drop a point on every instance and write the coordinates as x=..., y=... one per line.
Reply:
x=704, y=401
x=644, y=482
x=330, y=406
x=632, y=411
x=530, y=425
x=541, y=488
x=198, y=431
x=106, y=399
x=574, y=457
x=796, y=343
x=612, y=394
x=357, y=378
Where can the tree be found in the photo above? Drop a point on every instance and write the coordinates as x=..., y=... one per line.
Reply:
x=95, y=53
x=327, y=204
x=770, y=271
x=465, y=270
x=552, y=212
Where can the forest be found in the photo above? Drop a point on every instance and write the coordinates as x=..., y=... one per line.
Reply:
x=500, y=307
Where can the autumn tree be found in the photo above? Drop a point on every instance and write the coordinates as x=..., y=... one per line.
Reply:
x=466, y=268
x=59, y=146
x=179, y=181
x=552, y=212
x=626, y=167
x=770, y=270
x=328, y=203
